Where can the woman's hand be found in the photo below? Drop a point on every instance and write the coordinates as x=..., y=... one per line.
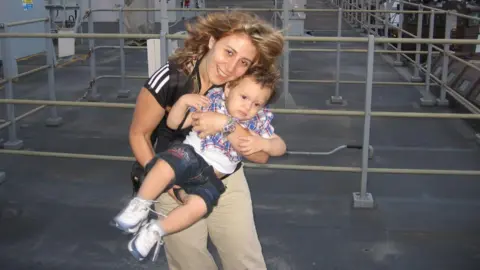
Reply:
x=208, y=123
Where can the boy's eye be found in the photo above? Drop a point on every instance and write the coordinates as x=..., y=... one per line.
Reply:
x=229, y=52
x=244, y=97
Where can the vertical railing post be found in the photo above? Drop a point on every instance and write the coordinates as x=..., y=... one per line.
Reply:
x=377, y=7
x=93, y=95
x=363, y=199
x=54, y=120
x=398, y=61
x=13, y=142
x=427, y=99
x=163, y=32
x=337, y=99
x=416, y=69
x=122, y=92
x=449, y=21
x=357, y=15
x=386, y=24
x=286, y=54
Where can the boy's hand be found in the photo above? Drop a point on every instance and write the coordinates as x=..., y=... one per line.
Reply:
x=252, y=144
x=181, y=193
x=195, y=100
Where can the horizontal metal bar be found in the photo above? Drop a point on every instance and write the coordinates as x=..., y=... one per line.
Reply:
x=61, y=7
x=26, y=22
x=357, y=51
x=291, y=38
x=119, y=76
x=258, y=9
x=2, y=82
x=20, y=117
x=118, y=47
x=280, y=111
x=292, y=80
x=31, y=72
x=356, y=82
x=253, y=165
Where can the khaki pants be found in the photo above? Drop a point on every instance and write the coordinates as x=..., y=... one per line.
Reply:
x=231, y=228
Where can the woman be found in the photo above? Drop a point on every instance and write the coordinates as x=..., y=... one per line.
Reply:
x=221, y=47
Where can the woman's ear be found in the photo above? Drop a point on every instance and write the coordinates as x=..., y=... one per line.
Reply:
x=211, y=42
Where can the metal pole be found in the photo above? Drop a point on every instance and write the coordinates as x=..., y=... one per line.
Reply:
x=275, y=14
x=122, y=92
x=13, y=142
x=442, y=101
x=364, y=199
x=94, y=95
x=163, y=32
x=416, y=69
x=355, y=14
x=369, y=16
x=377, y=7
x=427, y=99
x=286, y=55
x=398, y=61
x=54, y=120
x=386, y=24
x=337, y=99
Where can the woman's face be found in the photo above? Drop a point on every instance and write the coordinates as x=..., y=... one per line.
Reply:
x=229, y=58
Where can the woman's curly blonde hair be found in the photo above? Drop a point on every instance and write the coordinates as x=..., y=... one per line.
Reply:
x=267, y=40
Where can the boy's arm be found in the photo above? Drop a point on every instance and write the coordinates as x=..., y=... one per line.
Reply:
x=176, y=115
x=179, y=109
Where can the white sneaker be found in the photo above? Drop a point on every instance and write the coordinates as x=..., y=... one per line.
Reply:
x=133, y=215
x=142, y=243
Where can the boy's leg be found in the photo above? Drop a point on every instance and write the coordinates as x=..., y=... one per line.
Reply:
x=186, y=249
x=184, y=216
x=232, y=228
x=131, y=218
x=159, y=177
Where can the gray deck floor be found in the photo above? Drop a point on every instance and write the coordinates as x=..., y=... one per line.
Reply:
x=54, y=212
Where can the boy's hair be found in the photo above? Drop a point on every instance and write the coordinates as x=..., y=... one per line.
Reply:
x=265, y=77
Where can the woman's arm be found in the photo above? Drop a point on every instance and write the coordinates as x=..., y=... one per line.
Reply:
x=146, y=117
x=274, y=146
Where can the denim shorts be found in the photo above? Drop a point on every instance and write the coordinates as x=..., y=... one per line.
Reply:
x=193, y=173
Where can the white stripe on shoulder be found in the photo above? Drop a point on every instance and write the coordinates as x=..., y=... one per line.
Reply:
x=158, y=73
x=161, y=84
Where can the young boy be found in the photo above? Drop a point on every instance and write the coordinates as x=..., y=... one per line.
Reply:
x=196, y=165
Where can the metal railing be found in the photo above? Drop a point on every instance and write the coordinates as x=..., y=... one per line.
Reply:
x=362, y=198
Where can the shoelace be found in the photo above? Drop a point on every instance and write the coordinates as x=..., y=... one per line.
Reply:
x=139, y=203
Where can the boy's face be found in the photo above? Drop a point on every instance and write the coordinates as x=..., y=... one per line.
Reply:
x=246, y=99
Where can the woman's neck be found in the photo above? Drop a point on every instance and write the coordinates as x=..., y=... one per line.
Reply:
x=202, y=70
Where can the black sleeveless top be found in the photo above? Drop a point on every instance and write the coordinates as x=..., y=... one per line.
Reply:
x=167, y=85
